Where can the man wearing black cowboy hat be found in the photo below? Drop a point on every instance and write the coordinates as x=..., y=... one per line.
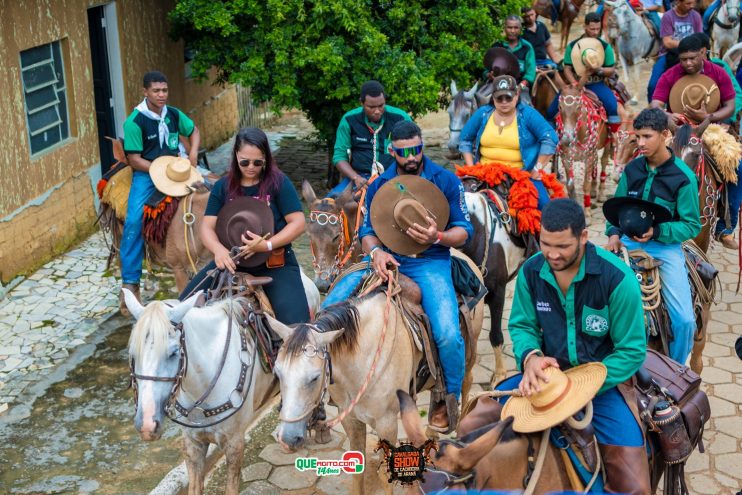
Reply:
x=661, y=178
x=417, y=212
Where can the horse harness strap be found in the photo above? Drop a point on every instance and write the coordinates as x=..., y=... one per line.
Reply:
x=188, y=220
x=534, y=471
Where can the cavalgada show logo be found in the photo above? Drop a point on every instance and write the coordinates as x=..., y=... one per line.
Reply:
x=352, y=462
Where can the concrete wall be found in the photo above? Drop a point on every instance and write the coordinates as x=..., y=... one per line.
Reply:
x=47, y=203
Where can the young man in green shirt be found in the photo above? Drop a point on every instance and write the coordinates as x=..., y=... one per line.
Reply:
x=576, y=303
x=363, y=138
x=657, y=175
x=152, y=130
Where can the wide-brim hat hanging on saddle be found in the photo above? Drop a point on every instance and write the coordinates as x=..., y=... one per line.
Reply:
x=401, y=202
x=634, y=216
x=501, y=62
x=564, y=396
x=240, y=215
x=587, y=53
x=172, y=175
x=693, y=91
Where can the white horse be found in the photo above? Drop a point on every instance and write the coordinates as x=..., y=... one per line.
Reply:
x=463, y=104
x=199, y=360
x=633, y=39
x=733, y=56
x=725, y=27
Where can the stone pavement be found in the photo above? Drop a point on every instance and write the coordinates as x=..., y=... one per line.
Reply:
x=718, y=471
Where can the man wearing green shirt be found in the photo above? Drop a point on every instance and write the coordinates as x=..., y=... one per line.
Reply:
x=522, y=50
x=657, y=175
x=576, y=303
x=152, y=130
x=363, y=138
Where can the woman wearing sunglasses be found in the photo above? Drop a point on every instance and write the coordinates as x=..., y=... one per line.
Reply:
x=510, y=133
x=254, y=173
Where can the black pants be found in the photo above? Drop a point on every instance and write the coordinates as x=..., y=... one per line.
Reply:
x=285, y=292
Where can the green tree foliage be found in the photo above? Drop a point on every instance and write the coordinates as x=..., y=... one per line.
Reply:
x=314, y=55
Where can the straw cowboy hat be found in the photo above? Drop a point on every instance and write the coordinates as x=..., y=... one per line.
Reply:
x=239, y=215
x=566, y=393
x=172, y=175
x=634, y=216
x=587, y=53
x=399, y=203
x=692, y=91
x=501, y=62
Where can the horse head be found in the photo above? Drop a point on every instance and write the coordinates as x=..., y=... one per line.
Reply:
x=570, y=107
x=155, y=359
x=472, y=184
x=732, y=9
x=461, y=108
x=327, y=228
x=454, y=461
x=625, y=148
x=688, y=145
x=303, y=367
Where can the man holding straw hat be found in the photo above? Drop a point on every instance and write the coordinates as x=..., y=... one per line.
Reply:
x=577, y=326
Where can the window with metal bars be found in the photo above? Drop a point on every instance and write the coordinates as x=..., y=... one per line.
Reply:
x=45, y=96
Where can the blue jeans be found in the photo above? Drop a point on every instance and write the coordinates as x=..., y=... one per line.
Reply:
x=654, y=17
x=734, y=193
x=604, y=94
x=707, y=15
x=657, y=70
x=546, y=62
x=543, y=194
x=675, y=293
x=338, y=190
x=433, y=276
x=612, y=419
x=132, y=242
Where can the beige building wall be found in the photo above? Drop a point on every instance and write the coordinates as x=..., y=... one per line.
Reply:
x=47, y=202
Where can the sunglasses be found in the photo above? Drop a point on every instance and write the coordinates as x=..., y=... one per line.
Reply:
x=504, y=99
x=254, y=163
x=409, y=151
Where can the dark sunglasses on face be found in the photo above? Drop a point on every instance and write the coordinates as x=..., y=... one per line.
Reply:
x=504, y=99
x=409, y=151
x=254, y=163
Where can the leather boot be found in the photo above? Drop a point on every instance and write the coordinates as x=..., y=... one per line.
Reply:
x=626, y=469
x=485, y=412
x=134, y=288
x=438, y=419
x=727, y=240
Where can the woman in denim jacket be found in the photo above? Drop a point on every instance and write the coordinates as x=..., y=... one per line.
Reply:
x=511, y=133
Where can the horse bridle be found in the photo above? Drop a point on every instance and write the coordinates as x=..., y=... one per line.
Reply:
x=343, y=254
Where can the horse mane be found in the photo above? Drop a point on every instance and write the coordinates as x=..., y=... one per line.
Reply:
x=682, y=138
x=327, y=205
x=458, y=101
x=153, y=323
x=343, y=315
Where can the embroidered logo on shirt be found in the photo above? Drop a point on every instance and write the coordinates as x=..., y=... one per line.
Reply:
x=596, y=324
x=543, y=306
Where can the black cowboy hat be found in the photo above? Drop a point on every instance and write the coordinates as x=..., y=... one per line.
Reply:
x=634, y=216
x=239, y=215
x=502, y=62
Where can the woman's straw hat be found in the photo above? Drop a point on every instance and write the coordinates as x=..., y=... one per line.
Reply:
x=566, y=393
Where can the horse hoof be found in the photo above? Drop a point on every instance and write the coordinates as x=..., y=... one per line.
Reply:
x=322, y=435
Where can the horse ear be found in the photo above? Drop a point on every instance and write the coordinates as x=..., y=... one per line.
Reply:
x=132, y=304
x=698, y=131
x=308, y=192
x=411, y=419
x=283, y=331
x=176, y=314
x=470, y=94
x=454, y=90
x=326, y=338
x=468, y=457
x=345, y=196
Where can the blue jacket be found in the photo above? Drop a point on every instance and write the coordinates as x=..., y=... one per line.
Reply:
x=451, y=187
x=535, y=134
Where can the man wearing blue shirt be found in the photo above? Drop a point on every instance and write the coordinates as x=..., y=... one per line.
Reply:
x=431, y=269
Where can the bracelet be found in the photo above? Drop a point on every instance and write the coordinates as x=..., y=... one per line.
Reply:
x=440, y=237
x=269, y=244
x=371, y=253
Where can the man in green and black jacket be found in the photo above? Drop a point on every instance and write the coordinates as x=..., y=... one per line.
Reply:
x=576, y=303
x=657, y=175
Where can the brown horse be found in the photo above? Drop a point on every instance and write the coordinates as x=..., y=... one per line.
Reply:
x=494, y=457
x=332, y=230
x=582, y=133
x=568, y=11
x=545, y=89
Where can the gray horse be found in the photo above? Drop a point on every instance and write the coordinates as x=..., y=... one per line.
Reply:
x=462, y=106
x=634, y=39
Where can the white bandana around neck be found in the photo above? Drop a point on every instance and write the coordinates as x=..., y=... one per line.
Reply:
x=162, y=129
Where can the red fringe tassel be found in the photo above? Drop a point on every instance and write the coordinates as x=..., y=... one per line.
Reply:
x=157, y=219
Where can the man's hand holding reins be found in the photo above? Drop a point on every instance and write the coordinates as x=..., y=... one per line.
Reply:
x=380, y=261
x=614, y=244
